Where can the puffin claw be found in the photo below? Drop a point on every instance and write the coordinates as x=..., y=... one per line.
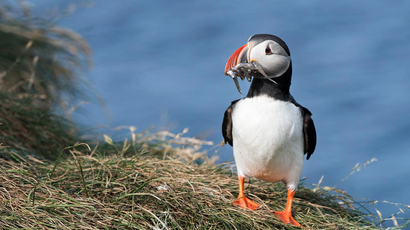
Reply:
x=246, y=203
x=286, y=218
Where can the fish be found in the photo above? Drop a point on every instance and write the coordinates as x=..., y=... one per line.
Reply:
x=246, y=70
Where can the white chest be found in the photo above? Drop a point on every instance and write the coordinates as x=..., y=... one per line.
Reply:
x=268, y=139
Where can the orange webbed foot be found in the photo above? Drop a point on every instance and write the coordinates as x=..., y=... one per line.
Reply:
x=246, y=203
x=286, y=218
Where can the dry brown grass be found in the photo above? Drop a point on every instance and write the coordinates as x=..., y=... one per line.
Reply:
x=152, y=182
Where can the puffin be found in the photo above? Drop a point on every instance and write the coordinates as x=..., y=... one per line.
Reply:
x=269, y=131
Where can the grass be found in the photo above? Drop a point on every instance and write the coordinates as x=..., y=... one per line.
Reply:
x=41, y=59
x=41, y=67
x=27, y=129
x=155, y=181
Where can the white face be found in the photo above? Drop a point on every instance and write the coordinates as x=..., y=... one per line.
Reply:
x=272, y=57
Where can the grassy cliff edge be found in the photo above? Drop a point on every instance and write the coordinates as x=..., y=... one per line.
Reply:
x=154, y=181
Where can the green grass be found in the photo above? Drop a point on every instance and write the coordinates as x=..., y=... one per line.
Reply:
x=27, y=129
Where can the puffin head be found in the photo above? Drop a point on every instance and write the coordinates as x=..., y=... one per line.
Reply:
x=269, y=51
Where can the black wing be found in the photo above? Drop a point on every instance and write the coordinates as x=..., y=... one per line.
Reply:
x=309, y=130
x=227, y=124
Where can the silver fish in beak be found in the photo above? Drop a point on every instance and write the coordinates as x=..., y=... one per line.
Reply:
x=238, y=65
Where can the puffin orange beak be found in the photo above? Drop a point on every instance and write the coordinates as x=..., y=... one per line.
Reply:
x=237, y=57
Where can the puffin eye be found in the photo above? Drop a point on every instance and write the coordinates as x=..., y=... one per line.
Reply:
x=268, y=50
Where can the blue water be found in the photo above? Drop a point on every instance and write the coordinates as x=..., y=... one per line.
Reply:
x=161, y=63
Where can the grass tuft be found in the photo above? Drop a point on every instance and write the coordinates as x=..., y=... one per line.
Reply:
x=41, y=59
x=27, y=129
